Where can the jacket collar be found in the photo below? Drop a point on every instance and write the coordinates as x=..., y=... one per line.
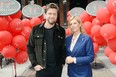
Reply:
x=56, y=26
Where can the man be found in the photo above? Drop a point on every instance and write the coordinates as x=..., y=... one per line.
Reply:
x=46, y=45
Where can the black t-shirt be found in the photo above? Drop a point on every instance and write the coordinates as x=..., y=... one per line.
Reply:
x=50, y=46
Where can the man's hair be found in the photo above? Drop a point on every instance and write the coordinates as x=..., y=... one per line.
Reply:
x=53, y=6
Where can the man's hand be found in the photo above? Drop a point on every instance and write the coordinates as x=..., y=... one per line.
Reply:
x=38, y=68
x=69, y=59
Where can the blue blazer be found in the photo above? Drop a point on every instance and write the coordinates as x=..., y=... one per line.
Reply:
x=84, y=53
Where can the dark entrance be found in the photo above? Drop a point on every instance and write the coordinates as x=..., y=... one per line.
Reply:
x=78, y=3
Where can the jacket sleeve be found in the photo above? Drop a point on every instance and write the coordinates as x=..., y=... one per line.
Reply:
x=30, y=49
x=89, y=54
x=64, y=48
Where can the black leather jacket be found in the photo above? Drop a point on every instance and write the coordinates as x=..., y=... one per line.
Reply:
x=36, y=46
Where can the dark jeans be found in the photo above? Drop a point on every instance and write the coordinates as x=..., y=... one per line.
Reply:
x=50, y=72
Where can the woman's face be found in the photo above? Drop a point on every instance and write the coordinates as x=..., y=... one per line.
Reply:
x=74, y=26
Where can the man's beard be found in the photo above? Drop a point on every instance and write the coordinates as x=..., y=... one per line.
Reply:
x=51, y=22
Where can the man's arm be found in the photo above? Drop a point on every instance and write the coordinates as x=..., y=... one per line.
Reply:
x=30, y=49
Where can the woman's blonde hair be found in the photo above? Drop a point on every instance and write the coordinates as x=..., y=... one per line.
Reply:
x=79, y=21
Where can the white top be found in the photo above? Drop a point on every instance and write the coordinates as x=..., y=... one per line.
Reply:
x=73, y=42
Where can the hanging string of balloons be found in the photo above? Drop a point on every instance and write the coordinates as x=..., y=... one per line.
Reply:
x=14, y=34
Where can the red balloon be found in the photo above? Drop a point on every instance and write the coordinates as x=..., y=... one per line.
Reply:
x=112, y=58
x=103, y=44
x=68, y=18
x=96, y=47
x=8, y=18
x=85, y=16
x=26, y=22
x=24, y=48
x=95, y=30
x=21, y=57
x=113, y=19
x=108, y=51
x=5, y=37
x=99, y=40
x=68, y=13
x=112, y=44
x=35, y=21
x=16, y=26
x=3, y=23
x=95, y=21
x=9, y=52
x=26, y=32
x=68, y=31
x=42, y=18
x=1, y=47
x=19, y=41
x=108, y=31
x=103, y=15
x=43, y=7
x=111, y=5
x=16, y=15
x=87, y=27
x=92, y=17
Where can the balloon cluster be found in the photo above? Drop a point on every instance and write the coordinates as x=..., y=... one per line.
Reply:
x=14, y=34
x=101, y=28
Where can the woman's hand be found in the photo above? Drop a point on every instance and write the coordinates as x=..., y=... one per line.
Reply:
x=69, y=59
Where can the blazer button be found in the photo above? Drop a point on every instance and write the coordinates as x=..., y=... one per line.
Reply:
x=43, y=59
x=44, y=51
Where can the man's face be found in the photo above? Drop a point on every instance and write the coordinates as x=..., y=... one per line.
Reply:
x=51, y=16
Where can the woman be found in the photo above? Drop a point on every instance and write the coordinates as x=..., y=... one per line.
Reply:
x=80, y=52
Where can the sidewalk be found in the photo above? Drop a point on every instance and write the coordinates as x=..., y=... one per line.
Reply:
x=8, y=70
x=101, y=56
x=104, y=72
x=24, y=71
x=108, y=70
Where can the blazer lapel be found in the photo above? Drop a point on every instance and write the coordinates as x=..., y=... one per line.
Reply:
x=69, y=44
x=77, y=45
